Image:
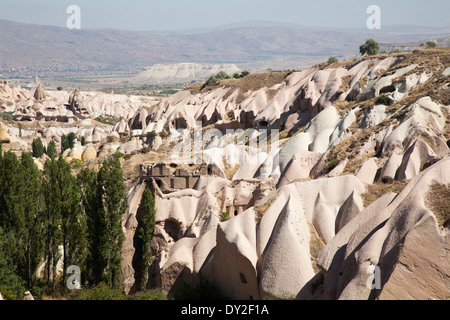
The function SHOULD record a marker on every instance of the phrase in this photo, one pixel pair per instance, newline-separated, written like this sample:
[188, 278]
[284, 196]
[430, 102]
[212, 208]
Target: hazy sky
[187, 14]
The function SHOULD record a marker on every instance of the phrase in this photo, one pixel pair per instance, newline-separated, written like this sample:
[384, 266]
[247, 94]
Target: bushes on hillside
[371, 48]
[218, 77]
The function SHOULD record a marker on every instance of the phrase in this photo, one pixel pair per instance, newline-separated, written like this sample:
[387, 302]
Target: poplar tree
[95, 226]
[38, 148]
[111, 192]
[53, 219]
[51, 150]
[72, 217]
[31, 219]
[146, 232]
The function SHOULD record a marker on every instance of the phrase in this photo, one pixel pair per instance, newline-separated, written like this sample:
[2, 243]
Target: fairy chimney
[39, 94]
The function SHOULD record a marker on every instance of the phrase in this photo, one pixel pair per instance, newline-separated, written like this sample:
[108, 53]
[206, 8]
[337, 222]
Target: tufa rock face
[74, 99]
[39, 94]
[28, 296]
[89, 154]
[4, 136]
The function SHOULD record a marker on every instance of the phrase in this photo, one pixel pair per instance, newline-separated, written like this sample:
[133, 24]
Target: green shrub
[100, 292]
[77, 163]
[371, 48]
[155, 294]
[203, 290]
[240, 75]
[330, 165]
[7, 116]
[118, 155]
[216, 78]
[224, 216]
[108, 120]
[332, 60]
[396, 50]
[384, 100]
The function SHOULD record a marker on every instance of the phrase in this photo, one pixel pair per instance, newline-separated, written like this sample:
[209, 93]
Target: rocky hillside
[329, 183]
[358, 183]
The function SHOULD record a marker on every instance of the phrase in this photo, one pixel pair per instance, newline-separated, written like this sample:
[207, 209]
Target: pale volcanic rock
[286, 266]
[331, 256]
[381, 239]
[317, 88]
[235, 257]
[121, 127]
[4, 135]
[39, 94]
[28, 296]
[414, 159]
[76, 152]
[376, 115]
[389, 170]
[89, 154]
[425, 274]
[368, 171]
[130, 146]
[348, 211]
[315, 138]
[299, 167]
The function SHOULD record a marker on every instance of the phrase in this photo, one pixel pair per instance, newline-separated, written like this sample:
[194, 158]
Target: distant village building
[170, 179]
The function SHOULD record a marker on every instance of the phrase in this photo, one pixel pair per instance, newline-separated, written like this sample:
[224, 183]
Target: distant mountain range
[256, 43]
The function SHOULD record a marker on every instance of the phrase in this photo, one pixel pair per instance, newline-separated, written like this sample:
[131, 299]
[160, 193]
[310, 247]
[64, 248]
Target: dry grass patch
[353, 166]
[377, 190]
[345, 81]
[438, 200]
[363, 82]
[252, 82]
[316, 244]
[347, 149]
[260, 209]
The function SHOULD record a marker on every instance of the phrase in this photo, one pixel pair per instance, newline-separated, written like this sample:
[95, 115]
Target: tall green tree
[370, 47]
[11, 191]
[31, 228]
[64, 143]
[71, 137]
[11, 223]
[111, 192]
[72, 218]
[51, 150]
[146, 232]
[65, 219]
[53, 220]
[38, 148]
[95, 226]
[12, 286]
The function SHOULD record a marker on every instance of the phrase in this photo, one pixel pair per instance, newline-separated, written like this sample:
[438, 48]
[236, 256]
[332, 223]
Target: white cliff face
[181, 73]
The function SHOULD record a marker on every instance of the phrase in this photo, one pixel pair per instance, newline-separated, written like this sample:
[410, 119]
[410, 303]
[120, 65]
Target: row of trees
[44, 212]
[67, 142]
